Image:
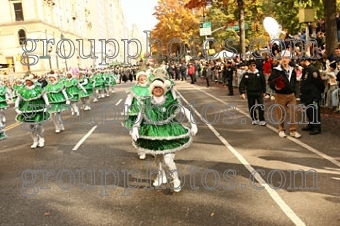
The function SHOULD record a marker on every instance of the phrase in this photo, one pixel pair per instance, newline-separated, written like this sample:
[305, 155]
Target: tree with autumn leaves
[180, 19]
[177, 24]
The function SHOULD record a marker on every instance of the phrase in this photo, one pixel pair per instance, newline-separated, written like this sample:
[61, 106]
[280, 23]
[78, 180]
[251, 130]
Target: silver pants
[166, 165]
[37, 132]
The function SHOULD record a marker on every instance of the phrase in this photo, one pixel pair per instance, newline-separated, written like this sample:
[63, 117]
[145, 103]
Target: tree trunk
[240, 4]
[330, 23]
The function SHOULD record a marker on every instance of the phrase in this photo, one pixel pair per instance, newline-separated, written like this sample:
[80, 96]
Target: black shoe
[307, 128]
[230, 94]
[315, 132]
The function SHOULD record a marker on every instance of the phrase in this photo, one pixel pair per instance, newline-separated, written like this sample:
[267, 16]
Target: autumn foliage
[175, 22]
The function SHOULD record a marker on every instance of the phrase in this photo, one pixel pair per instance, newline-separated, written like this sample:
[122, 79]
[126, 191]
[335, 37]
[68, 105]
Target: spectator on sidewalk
[192, 73]
[208, 73]
[267, 70]
[228, 74]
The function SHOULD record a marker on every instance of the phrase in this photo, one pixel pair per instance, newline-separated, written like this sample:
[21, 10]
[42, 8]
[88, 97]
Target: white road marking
[298, 142]
[119, 102]
[275, 196]
[83, 139]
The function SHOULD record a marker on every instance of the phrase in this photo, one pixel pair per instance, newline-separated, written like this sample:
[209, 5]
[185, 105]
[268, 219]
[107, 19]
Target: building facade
[61, 29]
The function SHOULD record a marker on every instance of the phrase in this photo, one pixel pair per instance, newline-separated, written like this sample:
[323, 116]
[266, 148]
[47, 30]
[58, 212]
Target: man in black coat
[253, 83]
[311, 87]
[228, 74]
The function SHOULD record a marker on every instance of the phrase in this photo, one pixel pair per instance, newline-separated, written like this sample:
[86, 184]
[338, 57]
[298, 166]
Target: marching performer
[73, 89]
[157, 131]
[16, 87]
[85, 96]
[32, 108]
[99, 84]
[57, 97]
[132, 106]
[107, 80]
[4, 97]
[113, 81]
[2, 132]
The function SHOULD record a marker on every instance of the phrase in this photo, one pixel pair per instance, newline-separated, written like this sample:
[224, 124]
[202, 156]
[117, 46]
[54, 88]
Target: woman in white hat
[131, 106]
[18, 84]
[158, 132]
[88, 86]
[58, 99]
[4, 98]
[98, 81]
[32, 108]
[73, 89]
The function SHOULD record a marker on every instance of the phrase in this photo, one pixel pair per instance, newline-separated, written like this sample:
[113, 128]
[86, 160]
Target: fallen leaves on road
[212, 214]
[47, 213]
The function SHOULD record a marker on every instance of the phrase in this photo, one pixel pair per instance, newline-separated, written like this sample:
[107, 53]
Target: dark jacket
[228, 72]
[279, 73]
[254, 83]
[311, 85]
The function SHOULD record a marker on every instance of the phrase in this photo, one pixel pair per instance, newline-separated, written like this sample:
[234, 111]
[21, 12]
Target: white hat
[30, 77]
[286, 53]
[158, 82]
[69, 72]
[53, 75]
[141, 73]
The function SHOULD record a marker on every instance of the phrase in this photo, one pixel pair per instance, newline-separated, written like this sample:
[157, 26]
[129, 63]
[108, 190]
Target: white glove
[135, 133]
[46, 108]
[68, 102]
[18, 111]
[193, 130]
[126, 110]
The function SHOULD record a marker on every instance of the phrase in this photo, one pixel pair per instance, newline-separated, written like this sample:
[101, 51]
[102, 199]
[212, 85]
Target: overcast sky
[140, 12]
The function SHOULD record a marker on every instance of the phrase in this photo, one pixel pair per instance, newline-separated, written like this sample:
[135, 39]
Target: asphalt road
[234, 173]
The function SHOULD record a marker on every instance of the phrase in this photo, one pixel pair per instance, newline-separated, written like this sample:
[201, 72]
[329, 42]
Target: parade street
[234, 173]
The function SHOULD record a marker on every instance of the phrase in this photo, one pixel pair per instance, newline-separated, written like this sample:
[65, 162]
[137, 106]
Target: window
[22, 37]
[19, 14]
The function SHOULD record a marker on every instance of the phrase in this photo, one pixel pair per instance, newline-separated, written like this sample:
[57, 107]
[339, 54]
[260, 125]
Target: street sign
[205, 29]
[237, 28]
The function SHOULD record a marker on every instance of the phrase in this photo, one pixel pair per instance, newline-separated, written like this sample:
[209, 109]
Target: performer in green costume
[4, 97]
[57, 97]
[32, 108]
[73, 89]
[157, 131]
[131, 106]
[84, 80]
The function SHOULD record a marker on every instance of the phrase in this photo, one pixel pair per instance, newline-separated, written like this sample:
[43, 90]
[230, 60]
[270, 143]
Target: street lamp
[56, 57]
[49, 55]
[62, 37]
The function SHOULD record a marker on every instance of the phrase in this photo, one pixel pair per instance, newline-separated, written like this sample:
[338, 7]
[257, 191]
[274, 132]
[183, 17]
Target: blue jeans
[335, 97]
